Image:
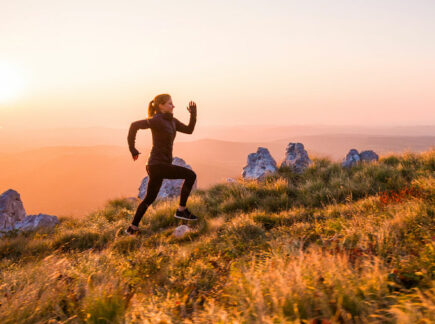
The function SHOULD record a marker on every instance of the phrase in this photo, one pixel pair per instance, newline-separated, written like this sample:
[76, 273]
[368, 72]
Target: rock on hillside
[259, 164]
[296, 157]
[170, 187]
[13, 215]
[353, 157]
[32, 222]
[11, 209]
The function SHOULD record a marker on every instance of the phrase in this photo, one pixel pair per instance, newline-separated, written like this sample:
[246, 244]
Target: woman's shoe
[185, 214]
[132, 231]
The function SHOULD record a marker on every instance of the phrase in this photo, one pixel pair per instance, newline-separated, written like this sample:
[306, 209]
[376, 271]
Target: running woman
[163, 127]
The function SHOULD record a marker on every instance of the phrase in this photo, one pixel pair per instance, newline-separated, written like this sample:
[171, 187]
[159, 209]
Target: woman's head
[162, 103]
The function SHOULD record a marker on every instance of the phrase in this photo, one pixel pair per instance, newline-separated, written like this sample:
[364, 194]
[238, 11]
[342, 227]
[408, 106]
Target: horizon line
[235, 125]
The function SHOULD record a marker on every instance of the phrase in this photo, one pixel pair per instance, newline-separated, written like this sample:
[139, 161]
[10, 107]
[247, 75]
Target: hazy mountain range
[15, 140]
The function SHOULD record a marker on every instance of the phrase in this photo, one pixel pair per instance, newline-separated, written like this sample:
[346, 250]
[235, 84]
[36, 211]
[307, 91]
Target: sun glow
[11, 83]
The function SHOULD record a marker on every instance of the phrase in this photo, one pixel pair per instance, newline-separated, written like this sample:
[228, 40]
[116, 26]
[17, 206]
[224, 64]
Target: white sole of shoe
[188, 219]
[131, 234]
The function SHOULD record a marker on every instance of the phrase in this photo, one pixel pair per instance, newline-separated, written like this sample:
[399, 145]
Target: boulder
[353, 157]
[368, 156]
[296, 157]
[11, 209]
[33, 222]
[170, 187]
[13, 216]
[181, 230]
[259, 164]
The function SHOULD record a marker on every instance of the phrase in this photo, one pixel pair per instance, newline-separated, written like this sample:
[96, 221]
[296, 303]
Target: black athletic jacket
[163, 128]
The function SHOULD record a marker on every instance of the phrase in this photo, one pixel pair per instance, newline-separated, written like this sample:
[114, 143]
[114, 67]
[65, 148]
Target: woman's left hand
[192, 107]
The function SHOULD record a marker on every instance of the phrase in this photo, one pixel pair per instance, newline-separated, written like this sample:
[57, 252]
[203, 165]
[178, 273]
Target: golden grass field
[330, 245]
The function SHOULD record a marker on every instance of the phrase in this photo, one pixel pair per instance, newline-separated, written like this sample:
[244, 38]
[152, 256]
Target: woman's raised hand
[192, 107]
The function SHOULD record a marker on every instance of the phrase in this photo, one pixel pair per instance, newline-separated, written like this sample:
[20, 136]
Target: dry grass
[326, 246]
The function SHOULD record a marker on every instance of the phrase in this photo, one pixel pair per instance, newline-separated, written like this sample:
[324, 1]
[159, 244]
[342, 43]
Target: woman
[163, 127]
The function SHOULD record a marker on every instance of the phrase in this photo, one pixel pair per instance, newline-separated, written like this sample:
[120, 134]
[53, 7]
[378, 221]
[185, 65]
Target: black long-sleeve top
[164, 127]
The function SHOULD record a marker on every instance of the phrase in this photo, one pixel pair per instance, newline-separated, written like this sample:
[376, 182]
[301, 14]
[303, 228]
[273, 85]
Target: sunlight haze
[99, 63]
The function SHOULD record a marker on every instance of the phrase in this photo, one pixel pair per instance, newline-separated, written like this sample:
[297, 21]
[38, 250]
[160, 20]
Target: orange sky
[99, 63]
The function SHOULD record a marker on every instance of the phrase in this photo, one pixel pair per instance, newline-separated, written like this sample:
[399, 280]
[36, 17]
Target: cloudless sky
[98, 63]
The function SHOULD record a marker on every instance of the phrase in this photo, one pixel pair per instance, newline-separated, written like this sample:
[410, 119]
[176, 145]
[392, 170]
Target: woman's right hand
[134, 153]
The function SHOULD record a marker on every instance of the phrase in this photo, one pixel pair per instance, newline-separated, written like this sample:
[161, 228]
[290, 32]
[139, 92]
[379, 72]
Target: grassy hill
[328, 246]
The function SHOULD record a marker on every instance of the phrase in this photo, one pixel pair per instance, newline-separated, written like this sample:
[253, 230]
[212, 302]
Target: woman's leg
[154, 184]
[178, 172]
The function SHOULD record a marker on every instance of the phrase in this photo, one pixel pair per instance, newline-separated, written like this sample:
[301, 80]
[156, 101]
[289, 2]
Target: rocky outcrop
[13, 216]
[33, 222]
[259, 165]
[368, 156]
[170, 187]
[296, 157]
[353, 157]
[11, 209]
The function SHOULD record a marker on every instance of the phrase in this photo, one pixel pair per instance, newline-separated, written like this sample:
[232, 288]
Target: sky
[91, 63]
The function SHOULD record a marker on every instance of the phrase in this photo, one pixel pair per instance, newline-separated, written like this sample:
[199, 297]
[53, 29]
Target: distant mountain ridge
[15, 140]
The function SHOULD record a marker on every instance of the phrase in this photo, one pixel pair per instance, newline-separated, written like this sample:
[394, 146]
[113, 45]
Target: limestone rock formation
[353, 157]
[11, 209]
[33, 222]
[259, 164]
[368, 156]
[170, 187]
[13, 216]
[296, 157]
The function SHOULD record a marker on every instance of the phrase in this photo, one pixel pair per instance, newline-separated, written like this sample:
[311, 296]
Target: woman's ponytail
[154, 104]
[151, 109]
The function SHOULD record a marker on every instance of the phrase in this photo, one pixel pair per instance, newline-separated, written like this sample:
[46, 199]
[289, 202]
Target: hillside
[328, 246]
[76, 180]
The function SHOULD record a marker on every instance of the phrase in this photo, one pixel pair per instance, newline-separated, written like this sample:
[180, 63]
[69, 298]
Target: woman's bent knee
[192, 176]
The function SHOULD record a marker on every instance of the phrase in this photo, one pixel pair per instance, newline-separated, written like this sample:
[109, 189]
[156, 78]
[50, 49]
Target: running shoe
[131, 231]
[185, 214]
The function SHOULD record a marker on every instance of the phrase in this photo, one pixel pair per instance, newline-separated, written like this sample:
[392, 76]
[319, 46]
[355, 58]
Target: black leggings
[158, 172]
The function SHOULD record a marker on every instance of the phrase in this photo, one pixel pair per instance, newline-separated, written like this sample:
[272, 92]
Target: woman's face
[167, 107]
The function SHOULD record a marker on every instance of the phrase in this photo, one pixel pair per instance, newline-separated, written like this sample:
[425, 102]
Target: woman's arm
[188, 129]
[134, 127]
